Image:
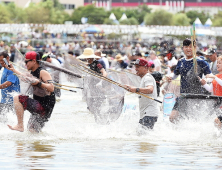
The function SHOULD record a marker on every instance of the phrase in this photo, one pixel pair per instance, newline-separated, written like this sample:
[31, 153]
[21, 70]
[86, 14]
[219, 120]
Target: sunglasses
[27, 61]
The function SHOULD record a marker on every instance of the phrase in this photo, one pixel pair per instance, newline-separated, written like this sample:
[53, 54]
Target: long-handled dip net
[104, 99]
[104, 95]
[27, 89]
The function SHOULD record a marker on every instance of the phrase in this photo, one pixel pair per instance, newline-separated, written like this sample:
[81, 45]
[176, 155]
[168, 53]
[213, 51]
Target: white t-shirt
[55, 73]
[148, 107]
[65, 47]
[106, 62]
[76, 47]
[213, 67]
[170, 63]
[55, 62]
[157, 63]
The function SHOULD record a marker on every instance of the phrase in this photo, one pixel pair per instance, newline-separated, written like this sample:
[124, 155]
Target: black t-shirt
[158, 77]
[96, 66]
[47, 102]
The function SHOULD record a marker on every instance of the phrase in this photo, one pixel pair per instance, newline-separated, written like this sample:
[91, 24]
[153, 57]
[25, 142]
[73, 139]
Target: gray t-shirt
[148, 107]
[213, 67]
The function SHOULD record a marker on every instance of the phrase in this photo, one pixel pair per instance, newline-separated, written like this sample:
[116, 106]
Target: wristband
[137, 89]
[39, 84]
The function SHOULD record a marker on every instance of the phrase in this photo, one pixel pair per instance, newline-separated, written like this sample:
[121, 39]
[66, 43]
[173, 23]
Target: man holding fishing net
[42, 104]
[92, 61]
[148, 108]
[190, 78]
[9, 84]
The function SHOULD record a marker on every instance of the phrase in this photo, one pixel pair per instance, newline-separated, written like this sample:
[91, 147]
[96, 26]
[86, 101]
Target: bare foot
[18, 128]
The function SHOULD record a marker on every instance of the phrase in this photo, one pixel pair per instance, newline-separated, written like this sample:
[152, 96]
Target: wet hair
[152, 66]
[38, 57]
[186, 42]
[139, 54]
[40, 53]
[4, 54]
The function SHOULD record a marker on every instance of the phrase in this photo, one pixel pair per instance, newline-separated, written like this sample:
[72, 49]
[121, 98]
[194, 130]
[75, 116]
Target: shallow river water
[72, 140]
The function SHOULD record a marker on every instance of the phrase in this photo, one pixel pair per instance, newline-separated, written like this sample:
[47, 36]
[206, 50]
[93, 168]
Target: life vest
[217, 88]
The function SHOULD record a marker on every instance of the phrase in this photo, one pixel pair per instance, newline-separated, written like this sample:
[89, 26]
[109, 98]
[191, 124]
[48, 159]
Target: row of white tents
[108, 29]
[197, 22]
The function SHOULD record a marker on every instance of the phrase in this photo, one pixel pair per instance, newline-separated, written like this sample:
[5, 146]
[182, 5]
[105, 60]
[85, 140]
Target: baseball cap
[151, 64]
[45, 56]
[141, 62]
[201, 53]
[31, 55]
[211, 51]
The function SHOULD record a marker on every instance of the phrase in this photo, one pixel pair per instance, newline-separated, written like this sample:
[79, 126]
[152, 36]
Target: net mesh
[68, 64]
[204, 106]
[19, 64]
[104, 99]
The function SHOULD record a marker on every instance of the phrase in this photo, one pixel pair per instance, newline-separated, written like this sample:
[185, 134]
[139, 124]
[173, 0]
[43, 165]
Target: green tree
[139, 13]
[95, 15]
[4, 15]
[56, 4]
[195, 14]
[57, 15]
[181, 19]
[217, 21]
[129, 21]
[37, 14]
[109, 22]
[17, 15]
[133, 21]
[159, 17]
[124, 22]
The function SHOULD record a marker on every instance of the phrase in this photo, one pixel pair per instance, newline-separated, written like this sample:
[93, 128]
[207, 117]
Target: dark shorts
[38, 118]
[148, 121]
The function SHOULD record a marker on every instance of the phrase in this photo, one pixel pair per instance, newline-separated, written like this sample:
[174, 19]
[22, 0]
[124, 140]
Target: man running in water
[190, 81]
[148, 108]
[42, 104]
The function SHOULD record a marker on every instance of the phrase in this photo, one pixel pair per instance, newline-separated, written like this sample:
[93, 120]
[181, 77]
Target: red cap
[169, 56]
[31, 55]
[141, 62]
[150, 63]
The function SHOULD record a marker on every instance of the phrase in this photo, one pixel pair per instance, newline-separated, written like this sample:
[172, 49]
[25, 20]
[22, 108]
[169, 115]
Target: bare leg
[174, 116]
[217, 123]
[19, 113]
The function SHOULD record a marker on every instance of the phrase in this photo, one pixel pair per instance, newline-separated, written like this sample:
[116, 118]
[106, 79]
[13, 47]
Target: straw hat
[119, 58]
[88, 53]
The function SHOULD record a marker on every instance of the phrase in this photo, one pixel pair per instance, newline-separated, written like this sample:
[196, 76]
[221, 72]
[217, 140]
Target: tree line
[52, 12]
